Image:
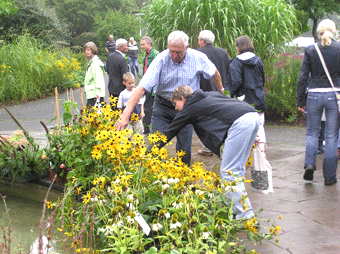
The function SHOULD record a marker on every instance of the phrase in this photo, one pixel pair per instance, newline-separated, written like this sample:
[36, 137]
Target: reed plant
[268, 23]
[29, 70]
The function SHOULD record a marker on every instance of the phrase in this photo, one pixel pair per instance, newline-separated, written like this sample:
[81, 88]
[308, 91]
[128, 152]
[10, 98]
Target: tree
[80, 14]
[34, 17]
[316, 9]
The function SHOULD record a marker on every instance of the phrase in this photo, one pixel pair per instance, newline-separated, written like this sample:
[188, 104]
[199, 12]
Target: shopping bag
[98, 105]
[261, 173]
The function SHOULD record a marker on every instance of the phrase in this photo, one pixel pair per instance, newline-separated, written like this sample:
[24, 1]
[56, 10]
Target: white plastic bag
[261, 173]
[98, 105]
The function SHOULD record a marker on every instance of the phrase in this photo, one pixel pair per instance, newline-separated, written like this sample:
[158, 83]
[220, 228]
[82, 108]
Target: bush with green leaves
[31, 71]
[268, 23]
[34, 17]
[282, 76]
[118, 24]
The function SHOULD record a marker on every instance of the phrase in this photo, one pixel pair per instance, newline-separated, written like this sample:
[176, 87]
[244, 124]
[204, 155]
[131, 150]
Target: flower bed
[138, 202]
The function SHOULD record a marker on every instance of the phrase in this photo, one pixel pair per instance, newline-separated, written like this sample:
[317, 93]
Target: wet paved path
[310, 211]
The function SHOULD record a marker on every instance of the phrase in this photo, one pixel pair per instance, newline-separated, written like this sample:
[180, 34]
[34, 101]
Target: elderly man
[110, 45]
[132, 55]
[150, 54]
[178, 65]
[117, 67]
[220, 58]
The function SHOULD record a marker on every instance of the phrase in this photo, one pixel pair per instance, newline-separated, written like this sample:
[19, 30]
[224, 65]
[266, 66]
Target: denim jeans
[316, 102]
[133, 62]
[162, 115]
[237, 147]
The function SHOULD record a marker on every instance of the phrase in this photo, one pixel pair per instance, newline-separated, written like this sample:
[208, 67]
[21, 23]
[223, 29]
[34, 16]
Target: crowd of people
[182, 90]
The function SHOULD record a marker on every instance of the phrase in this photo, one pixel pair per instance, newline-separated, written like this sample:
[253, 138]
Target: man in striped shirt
[176, 66]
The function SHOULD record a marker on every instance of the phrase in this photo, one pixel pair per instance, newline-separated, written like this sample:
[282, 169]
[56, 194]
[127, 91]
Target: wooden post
[81, 98]
[57, 108]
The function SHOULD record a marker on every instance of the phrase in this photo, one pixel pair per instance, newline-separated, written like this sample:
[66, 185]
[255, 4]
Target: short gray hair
[207, 36]
[120, 42]
[178, 37]
[147, 39]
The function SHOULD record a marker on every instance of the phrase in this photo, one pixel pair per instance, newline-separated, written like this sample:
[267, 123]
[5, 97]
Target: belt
[164, 102]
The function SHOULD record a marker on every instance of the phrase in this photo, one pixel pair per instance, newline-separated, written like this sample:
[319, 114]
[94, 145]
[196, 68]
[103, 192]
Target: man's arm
[123, 121]
[216, 79]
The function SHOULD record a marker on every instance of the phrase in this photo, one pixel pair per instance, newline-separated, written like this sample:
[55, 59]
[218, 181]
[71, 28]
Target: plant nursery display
[119, 198]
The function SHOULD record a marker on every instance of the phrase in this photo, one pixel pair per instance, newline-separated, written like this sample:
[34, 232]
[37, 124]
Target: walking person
[116, 68]
[94, 78]
[321, 96]
[178, 65]
[150, 54]
[132, 55]
[238, 123]
[246, 78]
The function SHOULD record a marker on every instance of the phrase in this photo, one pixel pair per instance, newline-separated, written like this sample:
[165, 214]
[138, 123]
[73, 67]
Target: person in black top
[219, 120]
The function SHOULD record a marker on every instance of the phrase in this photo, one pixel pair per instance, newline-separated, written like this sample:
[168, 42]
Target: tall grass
[29, 71]
[269, 23]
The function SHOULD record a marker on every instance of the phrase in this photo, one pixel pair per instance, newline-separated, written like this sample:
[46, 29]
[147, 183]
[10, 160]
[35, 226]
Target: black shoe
[309, 173]
[321, 148]
[331, 182]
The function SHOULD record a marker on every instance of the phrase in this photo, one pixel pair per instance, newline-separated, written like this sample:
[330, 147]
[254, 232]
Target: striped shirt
[164, 75]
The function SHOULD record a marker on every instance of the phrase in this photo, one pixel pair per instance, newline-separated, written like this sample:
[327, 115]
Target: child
[129, 82]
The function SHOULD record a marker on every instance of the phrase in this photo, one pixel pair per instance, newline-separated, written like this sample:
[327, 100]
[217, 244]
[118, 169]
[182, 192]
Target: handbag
[337, 93]
[261, 174]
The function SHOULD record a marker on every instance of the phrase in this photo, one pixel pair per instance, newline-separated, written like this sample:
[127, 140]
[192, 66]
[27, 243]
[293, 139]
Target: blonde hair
[128, 76]
[326, 29]
[181, 91]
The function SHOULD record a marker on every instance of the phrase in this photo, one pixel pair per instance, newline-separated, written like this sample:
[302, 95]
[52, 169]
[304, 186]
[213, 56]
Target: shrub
[281, 82]
[31, 71]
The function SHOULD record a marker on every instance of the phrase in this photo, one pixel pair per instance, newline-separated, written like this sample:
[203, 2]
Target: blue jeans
[162, 115]
[237, 147]
[316, 102]
[133, 62]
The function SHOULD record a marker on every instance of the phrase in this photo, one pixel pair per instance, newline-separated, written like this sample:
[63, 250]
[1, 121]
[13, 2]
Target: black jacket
[116, 67]
[211, 114]
[312, 66]
[246, 77]
[219, 57]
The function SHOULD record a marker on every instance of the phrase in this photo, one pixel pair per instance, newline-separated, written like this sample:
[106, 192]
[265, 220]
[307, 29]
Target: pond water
[25, 203]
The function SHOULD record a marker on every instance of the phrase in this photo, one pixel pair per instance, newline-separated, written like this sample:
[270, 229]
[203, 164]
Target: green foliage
[117, 24]
[7, 8]
[80, 14]
[35, 18]
[19, 158]
[31, 71]
[282, 75]
[268, 23]
[315, 10]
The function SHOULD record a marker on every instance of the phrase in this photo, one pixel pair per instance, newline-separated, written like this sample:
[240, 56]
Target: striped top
[164, 75]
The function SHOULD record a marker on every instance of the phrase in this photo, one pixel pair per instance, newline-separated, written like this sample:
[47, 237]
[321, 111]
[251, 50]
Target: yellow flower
[78, 189]
[49, 205]
[87, 198]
